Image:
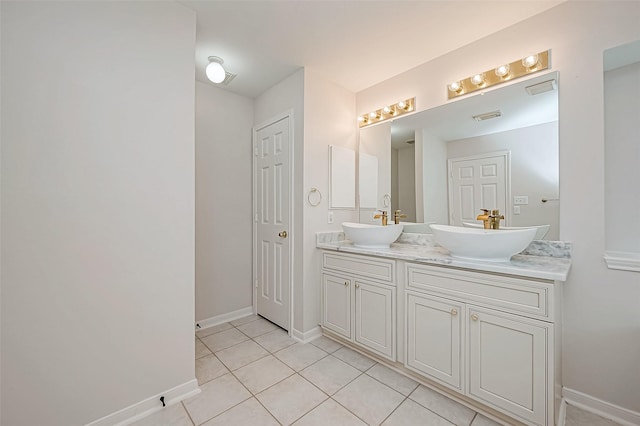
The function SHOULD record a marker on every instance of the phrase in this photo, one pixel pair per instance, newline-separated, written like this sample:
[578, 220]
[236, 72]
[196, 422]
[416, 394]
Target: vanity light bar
[387, 112]
[506, 72]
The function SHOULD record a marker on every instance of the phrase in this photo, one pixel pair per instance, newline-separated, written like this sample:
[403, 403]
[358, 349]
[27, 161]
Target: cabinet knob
[474, 317]
[346, 283]
[454, 312]
[357, 285]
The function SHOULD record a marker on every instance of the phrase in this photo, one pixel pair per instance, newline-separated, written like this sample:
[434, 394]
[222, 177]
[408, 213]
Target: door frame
[254, 209]
[507, 179]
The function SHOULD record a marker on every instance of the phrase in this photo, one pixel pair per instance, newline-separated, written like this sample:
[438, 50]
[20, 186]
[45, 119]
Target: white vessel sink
[371, 236]
[541, 230]
[487, 245]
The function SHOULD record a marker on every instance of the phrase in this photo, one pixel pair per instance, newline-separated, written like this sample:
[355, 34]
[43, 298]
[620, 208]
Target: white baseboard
[601, 408]
[562, 414]
[307, 336]
[219, 319]
[148, 406]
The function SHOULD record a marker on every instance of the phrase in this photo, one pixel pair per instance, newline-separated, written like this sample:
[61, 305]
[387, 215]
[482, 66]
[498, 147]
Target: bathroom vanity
[486, 333]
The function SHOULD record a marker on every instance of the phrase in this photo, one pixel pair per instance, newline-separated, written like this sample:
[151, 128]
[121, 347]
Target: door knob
[283, 234]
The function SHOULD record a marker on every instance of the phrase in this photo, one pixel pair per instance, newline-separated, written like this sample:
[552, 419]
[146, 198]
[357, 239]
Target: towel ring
[311, 192]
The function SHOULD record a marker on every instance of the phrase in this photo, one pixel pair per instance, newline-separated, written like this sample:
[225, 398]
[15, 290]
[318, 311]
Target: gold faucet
[490, 221]
[496, 216]
[383, 216]
[397, 215]
[485, 218]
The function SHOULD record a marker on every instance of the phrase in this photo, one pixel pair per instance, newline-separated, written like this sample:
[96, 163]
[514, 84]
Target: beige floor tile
[215, 397]
[394, 380]
[300, 355]
[250, 412]
[577, 417]
[257, 327]
[224, 339]
[329, 413]
[209, 368]
[241, 354]
[275, 340]
[481, 420]
[412, 413]
[330, 374]
[172, 415]
[204, 332]
[245, 320]
[201, 349]
[263, 373]
[291, 399]
[451, 410]
[326, 344]
[369, 399]
[354, 359]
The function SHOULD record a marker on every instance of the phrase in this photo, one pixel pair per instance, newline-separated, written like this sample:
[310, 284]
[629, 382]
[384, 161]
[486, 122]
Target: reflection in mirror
[622, 151]
[497, 150]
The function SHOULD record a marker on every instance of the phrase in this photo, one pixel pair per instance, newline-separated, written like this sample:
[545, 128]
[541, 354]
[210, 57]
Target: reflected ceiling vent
[487, 115]
[545, 86]
[411, 142]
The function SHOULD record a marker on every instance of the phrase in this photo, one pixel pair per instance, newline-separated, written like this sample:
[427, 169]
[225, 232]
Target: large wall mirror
[494, 150]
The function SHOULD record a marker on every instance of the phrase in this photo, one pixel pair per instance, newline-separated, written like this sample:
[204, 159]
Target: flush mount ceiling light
[506, 72]
[388, 112]
[215, 71]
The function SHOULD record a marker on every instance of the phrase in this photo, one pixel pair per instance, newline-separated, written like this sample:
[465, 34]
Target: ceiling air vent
[228, 77]
[545, 86]
[487, 115]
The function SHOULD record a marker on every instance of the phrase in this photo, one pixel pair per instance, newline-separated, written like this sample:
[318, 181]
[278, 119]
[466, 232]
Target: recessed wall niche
[622, 156]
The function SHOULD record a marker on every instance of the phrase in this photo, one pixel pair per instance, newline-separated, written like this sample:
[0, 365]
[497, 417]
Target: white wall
[622, 154]
[601, 316]
[97, 207]
[534, 170]
[329, 120]
[223, 201]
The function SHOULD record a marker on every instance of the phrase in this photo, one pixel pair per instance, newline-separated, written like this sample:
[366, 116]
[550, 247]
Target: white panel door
[508, 362]
[273, 242]
[434, 337]
[374, 317]
[336, 304]
[479, 182]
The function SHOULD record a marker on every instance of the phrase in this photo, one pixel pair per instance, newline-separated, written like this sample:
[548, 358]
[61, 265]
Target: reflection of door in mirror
[403, 182]
[478, 182]
[375, 141]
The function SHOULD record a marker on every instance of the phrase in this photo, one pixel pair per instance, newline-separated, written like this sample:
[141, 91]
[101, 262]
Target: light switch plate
[330, 217]
[516, 209]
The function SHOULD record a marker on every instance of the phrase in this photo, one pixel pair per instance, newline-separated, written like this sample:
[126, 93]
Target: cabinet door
[375, 317]
[434, 337]
[336, 304]
[508, 362]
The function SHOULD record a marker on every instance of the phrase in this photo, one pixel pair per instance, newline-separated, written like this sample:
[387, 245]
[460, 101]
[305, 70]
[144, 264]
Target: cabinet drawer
[379, 269]
[510, 294]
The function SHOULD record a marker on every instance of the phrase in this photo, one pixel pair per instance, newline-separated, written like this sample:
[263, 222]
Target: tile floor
[251, 373]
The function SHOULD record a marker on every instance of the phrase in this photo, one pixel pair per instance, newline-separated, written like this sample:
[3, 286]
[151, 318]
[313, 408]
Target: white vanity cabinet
[490, 337]
[359, 301]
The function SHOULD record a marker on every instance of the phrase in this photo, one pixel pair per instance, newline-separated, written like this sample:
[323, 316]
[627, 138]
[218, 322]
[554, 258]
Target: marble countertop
[544, 260]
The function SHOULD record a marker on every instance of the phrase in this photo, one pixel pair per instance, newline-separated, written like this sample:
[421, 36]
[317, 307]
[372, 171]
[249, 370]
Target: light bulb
[455, 87]
[502, 70]
[373, 115]
[477, 79]
[387, 110]
[402, 105]
[215, 72]
[530, 61]
[361, 119]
